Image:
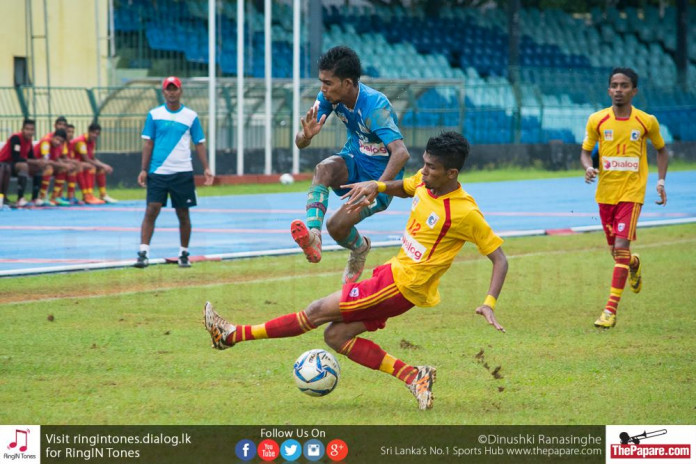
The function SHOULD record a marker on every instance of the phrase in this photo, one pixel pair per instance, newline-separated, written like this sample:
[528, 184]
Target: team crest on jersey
[609, 135]
[354, 293]
[342, 117]
[621, 227]
[414, 203]
[432, 220]
[635, 135]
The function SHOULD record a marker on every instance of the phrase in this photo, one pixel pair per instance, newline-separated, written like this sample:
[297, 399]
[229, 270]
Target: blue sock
[353, 241]
[317, 202]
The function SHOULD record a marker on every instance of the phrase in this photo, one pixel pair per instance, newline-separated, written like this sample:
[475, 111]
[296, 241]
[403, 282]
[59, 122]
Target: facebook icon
[245, 450]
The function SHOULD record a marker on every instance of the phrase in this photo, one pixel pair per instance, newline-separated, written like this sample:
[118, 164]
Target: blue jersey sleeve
[325, 108]
[381, 122]
[149, 129]
[197, 135]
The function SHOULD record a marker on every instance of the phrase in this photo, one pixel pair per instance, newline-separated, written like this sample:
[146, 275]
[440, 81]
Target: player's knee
[323, 172]
[335, 337]
[339, 225]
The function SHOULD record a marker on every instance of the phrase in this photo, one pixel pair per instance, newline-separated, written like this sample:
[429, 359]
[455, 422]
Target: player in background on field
[374, 151]
[51, 148]
[83, 149]
[622, 132]
[167, 169]
[18, 152]
[443, 217]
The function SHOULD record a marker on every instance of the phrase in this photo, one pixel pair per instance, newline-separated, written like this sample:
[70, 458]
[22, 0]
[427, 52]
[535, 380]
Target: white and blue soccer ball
[316, 372]
[287, 179]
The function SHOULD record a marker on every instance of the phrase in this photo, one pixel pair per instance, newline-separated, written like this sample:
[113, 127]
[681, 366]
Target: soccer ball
[286, 179]
[316, 372]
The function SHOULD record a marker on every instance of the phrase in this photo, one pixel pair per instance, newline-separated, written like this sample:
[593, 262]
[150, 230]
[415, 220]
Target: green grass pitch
[128, 346]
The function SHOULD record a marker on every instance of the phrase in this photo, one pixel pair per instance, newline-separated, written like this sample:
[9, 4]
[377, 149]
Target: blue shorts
[356, 173]
[179, 186]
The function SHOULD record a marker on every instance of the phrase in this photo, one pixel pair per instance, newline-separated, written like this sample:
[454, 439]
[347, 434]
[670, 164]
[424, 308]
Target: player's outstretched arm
[310, 127]
[500, 267]
[362, 194]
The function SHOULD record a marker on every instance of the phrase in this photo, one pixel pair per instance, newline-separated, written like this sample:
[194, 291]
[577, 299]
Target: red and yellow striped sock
[289, 325]
[72, 178]
[45, 182]
[58, 185]
[101, 183]
[622, 258]
[369, 354]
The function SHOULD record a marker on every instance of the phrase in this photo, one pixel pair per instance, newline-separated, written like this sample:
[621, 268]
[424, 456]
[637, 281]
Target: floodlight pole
[269, 82]
[296, 38]
[240, 87]
[212, 94]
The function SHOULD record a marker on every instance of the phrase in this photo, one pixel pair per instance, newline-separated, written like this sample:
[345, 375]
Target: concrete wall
[554, 156]
[77, 43]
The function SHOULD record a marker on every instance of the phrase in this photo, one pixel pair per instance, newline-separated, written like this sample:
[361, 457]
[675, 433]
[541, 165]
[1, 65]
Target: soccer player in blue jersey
[374, 151]
[167, 169]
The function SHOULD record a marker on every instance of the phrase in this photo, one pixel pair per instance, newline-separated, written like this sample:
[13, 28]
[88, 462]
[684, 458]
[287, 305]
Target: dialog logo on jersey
[621, 163]
[608, 135]
[650, 443]
[412, 248]
[373, 149]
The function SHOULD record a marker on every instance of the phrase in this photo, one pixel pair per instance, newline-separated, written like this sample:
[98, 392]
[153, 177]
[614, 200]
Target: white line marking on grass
[475, 259]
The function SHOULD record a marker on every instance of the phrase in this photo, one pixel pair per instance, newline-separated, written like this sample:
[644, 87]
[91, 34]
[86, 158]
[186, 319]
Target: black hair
[343, 62]
[94, 127]
[28, 121]
[451, 148]
[61, 119]
[628, 72]
[70, 126]
[60, 133]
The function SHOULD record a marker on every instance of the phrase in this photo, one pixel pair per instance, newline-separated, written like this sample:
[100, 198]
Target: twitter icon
[291, 450]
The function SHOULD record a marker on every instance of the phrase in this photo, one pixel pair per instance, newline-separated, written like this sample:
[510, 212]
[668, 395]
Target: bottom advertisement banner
[306, 444]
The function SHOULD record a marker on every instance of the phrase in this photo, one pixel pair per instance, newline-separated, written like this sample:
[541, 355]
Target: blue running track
[61, 239]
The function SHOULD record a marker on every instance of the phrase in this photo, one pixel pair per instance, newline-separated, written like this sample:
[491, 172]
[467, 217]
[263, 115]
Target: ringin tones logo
[20, 443]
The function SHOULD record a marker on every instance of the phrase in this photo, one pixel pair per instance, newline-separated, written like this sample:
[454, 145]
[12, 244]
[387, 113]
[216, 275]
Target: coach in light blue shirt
[167, 170]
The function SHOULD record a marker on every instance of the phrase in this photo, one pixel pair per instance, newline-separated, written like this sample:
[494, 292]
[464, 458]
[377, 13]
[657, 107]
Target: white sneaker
[422, 386]
[218, 328]
[356, 263]
[108, 199]
[40, 202]
[22, 202]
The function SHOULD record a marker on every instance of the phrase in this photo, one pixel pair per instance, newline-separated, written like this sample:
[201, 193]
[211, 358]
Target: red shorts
[619, 220]
[374, 300]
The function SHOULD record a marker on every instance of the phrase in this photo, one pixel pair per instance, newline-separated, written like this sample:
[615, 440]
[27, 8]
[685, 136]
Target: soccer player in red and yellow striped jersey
[623, 132]
[443, 217]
